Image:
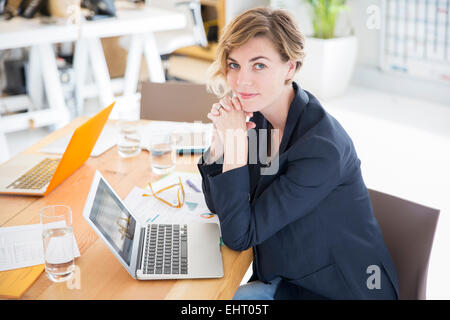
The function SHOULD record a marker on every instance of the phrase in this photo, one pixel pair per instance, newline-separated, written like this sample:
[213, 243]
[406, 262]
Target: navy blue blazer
[311, 223]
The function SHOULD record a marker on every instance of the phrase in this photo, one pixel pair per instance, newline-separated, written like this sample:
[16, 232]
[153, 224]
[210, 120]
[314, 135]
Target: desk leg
[80, 61]
[52, 84]
[153, 59]
[35, 86]
[100, 69]
[133, 64]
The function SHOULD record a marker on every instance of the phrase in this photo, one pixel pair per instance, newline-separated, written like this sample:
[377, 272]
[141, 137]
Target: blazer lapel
[261, 123]
[299, 103]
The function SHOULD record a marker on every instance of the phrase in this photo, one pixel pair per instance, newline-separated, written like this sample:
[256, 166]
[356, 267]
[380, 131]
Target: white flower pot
[328, 66]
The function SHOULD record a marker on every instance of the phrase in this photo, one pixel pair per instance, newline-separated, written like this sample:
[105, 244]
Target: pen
[190, 184]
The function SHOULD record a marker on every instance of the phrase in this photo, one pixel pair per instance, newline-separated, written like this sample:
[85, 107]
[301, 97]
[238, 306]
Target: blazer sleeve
[313, 171]
[212, 169]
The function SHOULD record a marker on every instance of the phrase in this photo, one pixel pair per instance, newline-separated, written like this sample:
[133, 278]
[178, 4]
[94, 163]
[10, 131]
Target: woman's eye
[233, 65]
[259, 66]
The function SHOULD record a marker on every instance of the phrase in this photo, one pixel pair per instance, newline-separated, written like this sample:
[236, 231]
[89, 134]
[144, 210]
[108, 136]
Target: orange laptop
[38, 174]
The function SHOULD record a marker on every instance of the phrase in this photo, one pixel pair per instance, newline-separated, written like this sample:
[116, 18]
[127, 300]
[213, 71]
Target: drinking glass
[129, 143]
[162, 153]
[57, 236]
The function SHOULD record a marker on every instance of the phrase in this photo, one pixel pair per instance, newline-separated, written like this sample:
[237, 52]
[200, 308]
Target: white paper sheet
[149, 209]
[21, 246]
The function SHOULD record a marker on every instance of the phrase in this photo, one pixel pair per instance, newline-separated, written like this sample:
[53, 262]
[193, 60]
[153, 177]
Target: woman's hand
[230, 119]
[230, 116]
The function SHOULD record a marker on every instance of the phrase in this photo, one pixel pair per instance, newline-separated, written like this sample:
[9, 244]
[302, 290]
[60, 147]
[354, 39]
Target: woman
[309, 219]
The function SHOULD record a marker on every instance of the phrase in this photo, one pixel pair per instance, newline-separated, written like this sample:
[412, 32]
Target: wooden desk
[101, 274]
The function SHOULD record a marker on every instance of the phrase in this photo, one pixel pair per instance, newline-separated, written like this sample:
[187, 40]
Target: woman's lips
[247, 96]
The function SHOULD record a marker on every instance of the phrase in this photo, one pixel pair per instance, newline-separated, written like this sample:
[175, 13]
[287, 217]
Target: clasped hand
[230, 117]
[231, 120]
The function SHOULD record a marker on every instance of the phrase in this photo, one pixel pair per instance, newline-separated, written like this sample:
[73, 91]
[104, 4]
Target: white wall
[235, 7]
[359, 21]
[369, 51]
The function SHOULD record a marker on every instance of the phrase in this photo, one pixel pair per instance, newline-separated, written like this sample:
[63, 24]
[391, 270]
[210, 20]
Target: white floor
[404, 147]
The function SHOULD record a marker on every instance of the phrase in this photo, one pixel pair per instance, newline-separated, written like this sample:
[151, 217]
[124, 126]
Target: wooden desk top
[101, 276]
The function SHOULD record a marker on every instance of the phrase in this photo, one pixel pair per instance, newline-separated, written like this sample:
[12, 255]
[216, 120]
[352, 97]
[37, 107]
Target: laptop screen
[113, 220]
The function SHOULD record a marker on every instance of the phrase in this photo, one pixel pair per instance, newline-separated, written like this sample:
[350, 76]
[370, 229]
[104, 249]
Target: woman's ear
[291, 71]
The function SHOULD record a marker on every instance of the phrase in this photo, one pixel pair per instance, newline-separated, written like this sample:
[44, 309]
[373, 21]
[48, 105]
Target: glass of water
[57, 236]
[162, 153]
[129, 143]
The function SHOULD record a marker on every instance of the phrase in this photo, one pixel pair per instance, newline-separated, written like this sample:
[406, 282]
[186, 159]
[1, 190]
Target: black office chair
[408, 230]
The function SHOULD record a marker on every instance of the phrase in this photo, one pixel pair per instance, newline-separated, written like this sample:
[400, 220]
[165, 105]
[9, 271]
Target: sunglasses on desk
[180, 194]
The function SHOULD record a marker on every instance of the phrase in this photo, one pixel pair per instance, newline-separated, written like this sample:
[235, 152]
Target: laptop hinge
[141, 246]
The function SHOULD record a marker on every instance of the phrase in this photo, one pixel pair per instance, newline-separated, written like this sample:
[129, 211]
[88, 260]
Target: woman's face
[256, 73]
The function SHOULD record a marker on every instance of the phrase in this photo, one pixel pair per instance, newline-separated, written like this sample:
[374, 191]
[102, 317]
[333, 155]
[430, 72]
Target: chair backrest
[176, 101]
[194, 32]
[408, 230]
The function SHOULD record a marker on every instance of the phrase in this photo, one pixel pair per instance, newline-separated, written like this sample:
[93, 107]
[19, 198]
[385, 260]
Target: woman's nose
[244, 78]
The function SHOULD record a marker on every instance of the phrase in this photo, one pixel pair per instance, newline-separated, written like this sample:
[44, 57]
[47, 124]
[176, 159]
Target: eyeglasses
[180, 194]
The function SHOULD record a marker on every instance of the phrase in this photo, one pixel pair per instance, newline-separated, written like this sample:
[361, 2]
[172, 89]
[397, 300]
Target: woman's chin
[249, 107]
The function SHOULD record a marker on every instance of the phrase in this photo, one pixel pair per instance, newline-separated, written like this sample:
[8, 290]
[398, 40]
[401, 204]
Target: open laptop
[106, 140]
[152, 251]
[39, 174]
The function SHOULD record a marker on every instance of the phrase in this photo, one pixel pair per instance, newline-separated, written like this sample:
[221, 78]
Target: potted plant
[329, 60]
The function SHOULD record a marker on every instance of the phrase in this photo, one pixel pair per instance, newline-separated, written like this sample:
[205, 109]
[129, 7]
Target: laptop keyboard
[37, 177]
[166, 249]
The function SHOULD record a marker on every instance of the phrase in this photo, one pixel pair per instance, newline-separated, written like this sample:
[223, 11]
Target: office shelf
[217, 7]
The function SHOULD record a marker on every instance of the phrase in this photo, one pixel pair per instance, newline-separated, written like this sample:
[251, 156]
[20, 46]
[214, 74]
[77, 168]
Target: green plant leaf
[325, 16]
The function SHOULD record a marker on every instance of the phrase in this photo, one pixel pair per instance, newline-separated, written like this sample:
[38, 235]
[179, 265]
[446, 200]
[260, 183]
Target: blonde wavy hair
[276, 24]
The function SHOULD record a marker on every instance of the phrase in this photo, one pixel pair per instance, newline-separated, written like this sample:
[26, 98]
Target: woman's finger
[236, 103]
[214, 110]
[212, 117]
[226, 103]
[250, 125]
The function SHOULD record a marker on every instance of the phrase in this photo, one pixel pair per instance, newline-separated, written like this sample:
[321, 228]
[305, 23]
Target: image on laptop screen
[114, 221]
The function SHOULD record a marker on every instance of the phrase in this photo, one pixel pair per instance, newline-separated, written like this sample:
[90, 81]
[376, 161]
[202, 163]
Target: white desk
[43, 73]
[140, 24]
